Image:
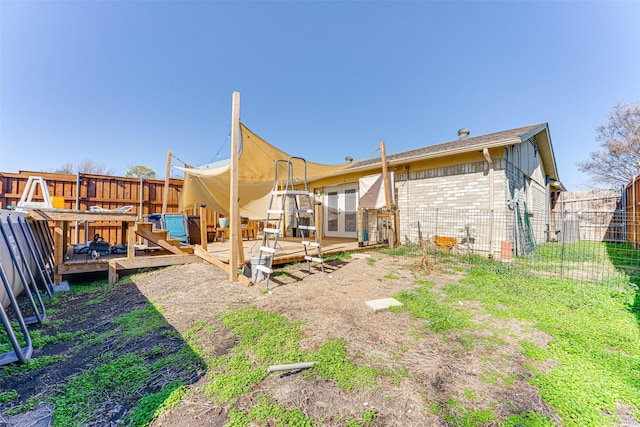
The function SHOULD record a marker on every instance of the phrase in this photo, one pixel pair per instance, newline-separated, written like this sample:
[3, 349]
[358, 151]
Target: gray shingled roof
[457, 146]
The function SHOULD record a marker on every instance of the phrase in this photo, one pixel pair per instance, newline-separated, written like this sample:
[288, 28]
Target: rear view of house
[489, 194]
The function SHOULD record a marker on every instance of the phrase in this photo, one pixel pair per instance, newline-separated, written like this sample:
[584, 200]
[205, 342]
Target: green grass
[333, 363]
[140, 322]
[32, 364]
[152, 405]
[595, 349]
[268, 411]
[438, 316]
[265, 339]
[342, 256]
[281, 273]
[125, 379]
[83, 395]
[99, 285]
[569, 252]
[8, 395]
[392, 275]
[131, 378]
[595, 342]
[459, 415]
[613, 264]
[410, 250]
[528, 419]
[37, 339]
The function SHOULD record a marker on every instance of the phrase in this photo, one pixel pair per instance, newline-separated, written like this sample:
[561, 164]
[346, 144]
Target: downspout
[487, 157]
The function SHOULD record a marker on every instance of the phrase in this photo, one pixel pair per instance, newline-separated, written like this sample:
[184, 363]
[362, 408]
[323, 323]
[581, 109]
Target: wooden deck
[66, 263]
[288, 250]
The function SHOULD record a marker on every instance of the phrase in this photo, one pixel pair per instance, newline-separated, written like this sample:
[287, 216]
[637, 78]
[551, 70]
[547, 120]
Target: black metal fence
[583, 246]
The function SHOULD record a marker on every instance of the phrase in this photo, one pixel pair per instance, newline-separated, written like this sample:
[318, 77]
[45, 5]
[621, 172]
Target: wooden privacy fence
[83, 191]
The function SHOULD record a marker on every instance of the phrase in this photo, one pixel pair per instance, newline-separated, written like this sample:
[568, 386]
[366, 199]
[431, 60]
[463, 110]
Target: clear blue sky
[122, 82]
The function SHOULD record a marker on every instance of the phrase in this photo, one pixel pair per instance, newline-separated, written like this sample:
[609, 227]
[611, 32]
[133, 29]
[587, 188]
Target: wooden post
[319, 221]
[113, 276]
[203, 227]
[234, 209]
[131, 236]
[165, 197]
[387, 196]
[141, 202]
[240, 246]
[385, 176]
[60, 241]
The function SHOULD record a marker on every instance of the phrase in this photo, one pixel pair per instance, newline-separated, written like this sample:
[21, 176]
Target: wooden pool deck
[289, 250]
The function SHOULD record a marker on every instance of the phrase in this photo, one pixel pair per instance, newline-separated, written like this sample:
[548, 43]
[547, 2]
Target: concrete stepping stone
[382, 304]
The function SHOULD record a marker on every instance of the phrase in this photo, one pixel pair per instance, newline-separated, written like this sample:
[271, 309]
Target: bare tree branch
[86, 166]
[618, 160]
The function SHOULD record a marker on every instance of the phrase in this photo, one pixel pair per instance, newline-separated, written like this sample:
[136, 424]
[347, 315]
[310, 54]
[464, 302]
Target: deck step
[161, 238]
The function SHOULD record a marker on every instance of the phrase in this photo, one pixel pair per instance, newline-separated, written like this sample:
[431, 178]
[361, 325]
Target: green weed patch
[439, 317]
[333, 363]
[264, 339]
[152, 405]
[137, 323]
[596, 340]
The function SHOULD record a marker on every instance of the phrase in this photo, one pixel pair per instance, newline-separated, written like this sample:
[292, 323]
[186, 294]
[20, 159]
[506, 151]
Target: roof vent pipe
[348, 159]
[463, 133]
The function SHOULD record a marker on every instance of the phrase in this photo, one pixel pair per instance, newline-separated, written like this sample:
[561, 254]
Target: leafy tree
[140, 172]
[618, 160]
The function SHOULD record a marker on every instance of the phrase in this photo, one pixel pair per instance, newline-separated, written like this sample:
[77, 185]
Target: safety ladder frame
[270, 236]
[15, 232]
[26, 201]
[21, 265]
[18, 354]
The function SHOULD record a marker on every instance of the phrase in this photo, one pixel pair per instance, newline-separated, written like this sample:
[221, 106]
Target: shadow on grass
[626, 260]
[283, 277]
[105, 355]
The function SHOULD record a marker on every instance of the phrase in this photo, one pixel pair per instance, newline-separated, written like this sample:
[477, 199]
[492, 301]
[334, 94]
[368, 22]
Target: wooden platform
[288, 250]
[81, 263]
[63, 217]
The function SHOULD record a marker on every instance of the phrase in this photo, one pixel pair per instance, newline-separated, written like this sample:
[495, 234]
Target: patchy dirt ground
[480, 368]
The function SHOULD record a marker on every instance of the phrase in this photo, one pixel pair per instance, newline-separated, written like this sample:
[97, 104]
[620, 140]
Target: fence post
[564, 242]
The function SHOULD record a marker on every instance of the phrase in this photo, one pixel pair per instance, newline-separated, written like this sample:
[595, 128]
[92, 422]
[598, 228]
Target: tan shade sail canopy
[255, 178]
